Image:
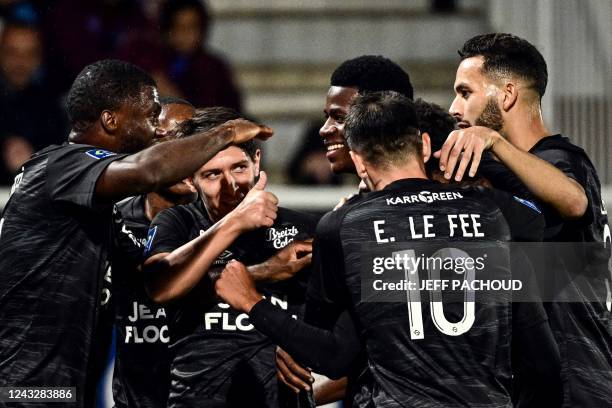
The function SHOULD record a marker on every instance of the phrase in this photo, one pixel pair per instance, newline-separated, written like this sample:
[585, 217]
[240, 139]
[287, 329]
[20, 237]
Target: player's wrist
[494, 140]
[250, 301]
[232, 224]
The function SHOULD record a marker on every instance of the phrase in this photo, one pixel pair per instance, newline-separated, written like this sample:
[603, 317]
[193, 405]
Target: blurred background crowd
[271, 60]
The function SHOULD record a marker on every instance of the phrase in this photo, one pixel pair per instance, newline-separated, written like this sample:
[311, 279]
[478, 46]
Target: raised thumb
[263, 180]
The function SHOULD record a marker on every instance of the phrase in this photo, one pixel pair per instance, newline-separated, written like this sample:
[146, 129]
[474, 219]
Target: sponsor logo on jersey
[99, 153]
[226, 319]
[147, 325]
[223, 258]
[528, 203]
[424, 197]
[281, 237]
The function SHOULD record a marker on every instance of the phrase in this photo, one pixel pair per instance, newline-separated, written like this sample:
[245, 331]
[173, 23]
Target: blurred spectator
[30, 117]
[80, 32]
[309, 164]
[180, 61]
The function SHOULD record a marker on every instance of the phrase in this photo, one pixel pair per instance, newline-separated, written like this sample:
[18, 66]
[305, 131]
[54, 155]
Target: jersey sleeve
[326, 296]
[168, 231]
[563, 160]
[524, 217]
[126, 247]
[328, 352]
[571, 163]
[74, 171]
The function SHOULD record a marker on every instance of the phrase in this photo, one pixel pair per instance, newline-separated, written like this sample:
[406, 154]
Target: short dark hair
[507, 53]
[174, 100]
[437, 123]
[434, 120]
[207, 118]
[383, 128]
[171, 7]
[106, 84]
[373, 73]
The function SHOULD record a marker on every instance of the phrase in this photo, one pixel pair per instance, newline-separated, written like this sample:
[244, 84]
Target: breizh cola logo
[281, 237]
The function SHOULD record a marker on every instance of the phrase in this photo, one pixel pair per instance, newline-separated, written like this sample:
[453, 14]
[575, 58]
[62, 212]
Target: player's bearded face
[475, 101]
[137, 122]
[337, 105]
[225, 180]
[491, 116]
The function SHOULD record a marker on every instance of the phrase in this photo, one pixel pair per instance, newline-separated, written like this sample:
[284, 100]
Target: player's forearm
[175, 160]
[260, 272]
[269, 271]
[544, 180]
[177, 273]
[162, 165]
[329, 352]
[327, 391]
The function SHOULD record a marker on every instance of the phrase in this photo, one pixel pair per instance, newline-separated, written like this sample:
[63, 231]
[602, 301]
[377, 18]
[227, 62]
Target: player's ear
[426, 146]
[510, 96]
[108, 120]
[256, 160]
[189, 183]
[359, 164]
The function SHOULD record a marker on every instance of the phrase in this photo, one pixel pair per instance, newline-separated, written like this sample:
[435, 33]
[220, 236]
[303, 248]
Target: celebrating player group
[469, 269]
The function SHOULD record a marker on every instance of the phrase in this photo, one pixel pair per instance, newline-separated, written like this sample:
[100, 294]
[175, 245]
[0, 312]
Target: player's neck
[526, 129]
[91, 136]
[382, 178]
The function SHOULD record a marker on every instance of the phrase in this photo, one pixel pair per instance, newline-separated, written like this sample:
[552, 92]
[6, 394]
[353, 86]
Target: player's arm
[165, 164]
[329, 352]
[170, 275]
[284, 264]
[545, 181]
[327, 391]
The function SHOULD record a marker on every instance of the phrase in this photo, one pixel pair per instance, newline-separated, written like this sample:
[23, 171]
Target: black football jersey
[54, 240]
[219, 359]
[578, 270]
[423, 350]
[141, 377]
[583, 329]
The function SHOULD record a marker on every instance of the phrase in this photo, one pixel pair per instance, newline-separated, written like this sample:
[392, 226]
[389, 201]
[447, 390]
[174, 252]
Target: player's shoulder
[187, 214]
[132, 210]
[557, 147]
[300, 217]
[86, 150]
[127, 205]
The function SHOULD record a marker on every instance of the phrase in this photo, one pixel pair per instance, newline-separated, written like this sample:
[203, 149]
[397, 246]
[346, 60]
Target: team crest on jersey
[99, 153]
[150, 237]
[528, 204]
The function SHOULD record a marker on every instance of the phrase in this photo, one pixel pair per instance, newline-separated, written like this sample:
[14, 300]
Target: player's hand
[463, 146]
[289, 372]
[235, 286]
[258, 208]
[286, 262]
[343, 201]
[245, 130]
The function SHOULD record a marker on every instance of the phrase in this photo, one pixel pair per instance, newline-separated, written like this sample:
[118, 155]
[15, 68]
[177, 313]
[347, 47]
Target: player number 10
[413, 298]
